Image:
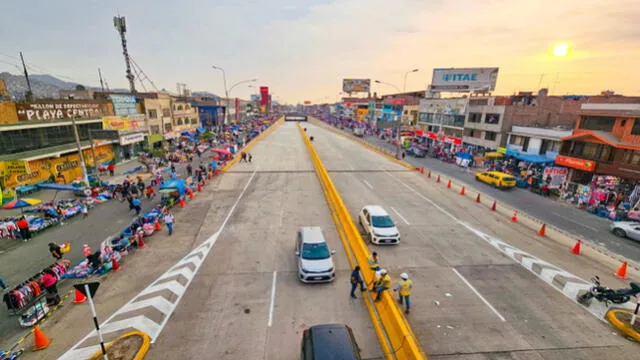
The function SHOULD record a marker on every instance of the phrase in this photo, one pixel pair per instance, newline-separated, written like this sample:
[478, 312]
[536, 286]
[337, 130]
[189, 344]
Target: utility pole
[121, 26]
[101, 83]
[83, 165]
[29, 94]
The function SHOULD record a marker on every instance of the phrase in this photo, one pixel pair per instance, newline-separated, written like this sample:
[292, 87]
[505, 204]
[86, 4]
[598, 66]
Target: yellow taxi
[497, 179]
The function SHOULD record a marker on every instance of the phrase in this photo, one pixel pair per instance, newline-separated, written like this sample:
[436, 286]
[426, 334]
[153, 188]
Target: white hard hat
[404, 276]
[383, 272]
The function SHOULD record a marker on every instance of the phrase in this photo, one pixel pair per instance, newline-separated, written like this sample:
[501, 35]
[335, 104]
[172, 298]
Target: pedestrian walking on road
[168, 219]
[112, 169]
[84, 209]
[356, 281]
[243, 157]
[383, 284]
[136, 205]
[23, 227]
[404, 291]
[55, 250]
[250, 157]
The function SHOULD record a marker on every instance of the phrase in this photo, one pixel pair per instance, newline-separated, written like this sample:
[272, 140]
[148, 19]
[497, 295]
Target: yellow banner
[122, 123]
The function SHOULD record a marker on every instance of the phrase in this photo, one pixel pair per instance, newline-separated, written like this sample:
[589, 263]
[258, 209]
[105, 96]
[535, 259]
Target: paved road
[556, 213]
[470, 301]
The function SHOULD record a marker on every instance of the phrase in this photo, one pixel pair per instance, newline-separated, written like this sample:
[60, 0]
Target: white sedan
[629, 229]
[378, 225]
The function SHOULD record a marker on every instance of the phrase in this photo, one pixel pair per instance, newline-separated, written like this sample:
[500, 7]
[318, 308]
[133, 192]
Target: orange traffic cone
[622, 271]
[438, 179]
[449, 185]
[576, 248]
[190, 192]
[210, 175]
[421, 170]
[40, 340]
[80, 298]
[514, 217]
[114, 264]
[140, 241]
[493, 207]
[542, 230]
[157, 226]
[199, 187]
[478, 198]
[429, 175]
[181, 203]
[462, 191]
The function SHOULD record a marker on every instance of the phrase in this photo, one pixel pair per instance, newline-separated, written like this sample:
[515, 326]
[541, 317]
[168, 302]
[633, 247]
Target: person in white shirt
[168, 220]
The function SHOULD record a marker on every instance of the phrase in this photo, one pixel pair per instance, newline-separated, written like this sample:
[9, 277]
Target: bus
[295, 117]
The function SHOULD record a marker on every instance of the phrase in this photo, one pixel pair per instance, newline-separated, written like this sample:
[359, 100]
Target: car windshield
[315, 251]
[508, 178]
[382, 221]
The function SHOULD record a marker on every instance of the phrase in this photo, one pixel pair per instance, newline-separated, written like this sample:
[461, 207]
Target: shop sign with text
[131, 138]
[123, 123]
[576, 163]
[49, 111]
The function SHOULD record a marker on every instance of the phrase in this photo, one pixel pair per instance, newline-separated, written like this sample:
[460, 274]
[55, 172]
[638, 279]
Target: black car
[329, 342]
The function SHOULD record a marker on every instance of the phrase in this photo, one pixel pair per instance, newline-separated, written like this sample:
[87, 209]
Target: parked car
[417, 152]
[498, 179]
[329, 342]
[359, 132]
[628, 229]
[315, 261]
[378, 225]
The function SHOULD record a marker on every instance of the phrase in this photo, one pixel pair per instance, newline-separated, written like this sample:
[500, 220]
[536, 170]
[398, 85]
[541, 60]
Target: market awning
[222, 151]
[201, 129]
[534, 159]
[493, 154]
[54, 186]
[464, 155]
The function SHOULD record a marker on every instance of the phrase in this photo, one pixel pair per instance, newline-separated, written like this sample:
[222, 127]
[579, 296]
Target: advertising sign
[264, 95]
[452, 140]
[255, 97]
[398, 101]
[576, 163]
[444, 106]
[124, 105]
[210, 116]
[356, 85]
[557, 175]
[131, 138]
[122, 123]
[61, 110]
[464, 79]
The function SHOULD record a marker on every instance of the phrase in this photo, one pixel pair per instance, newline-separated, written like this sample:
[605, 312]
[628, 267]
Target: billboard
[264, 95]
[124, 105]
[464, 79]
[123, 123]
[356, 85]
[61, 110]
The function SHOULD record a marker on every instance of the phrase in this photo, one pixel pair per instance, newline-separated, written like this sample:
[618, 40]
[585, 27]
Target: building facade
[536, 141]
[184, 114]
[443, 117]
[485, 123]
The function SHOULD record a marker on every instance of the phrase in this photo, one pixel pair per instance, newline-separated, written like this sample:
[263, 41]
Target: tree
[80, 88]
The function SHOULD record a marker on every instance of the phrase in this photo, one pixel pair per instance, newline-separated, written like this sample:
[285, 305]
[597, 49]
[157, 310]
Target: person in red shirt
[112, 168]
[23, 226]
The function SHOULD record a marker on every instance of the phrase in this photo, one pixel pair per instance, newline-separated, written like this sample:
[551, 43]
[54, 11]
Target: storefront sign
[122, 123]
[576, 163]
[124, 105]
[431, 135]
[464, 79]
[452, 140]
[131, 138]
[59, 110]
[557, 175]
[15, 167]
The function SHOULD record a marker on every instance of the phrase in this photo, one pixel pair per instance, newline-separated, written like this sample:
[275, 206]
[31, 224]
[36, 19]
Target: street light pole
[404, 85]
[239, 83]
[226, 91]
[397, 127]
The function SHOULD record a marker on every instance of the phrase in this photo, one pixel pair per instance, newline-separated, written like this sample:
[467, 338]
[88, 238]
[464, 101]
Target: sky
[302, 49]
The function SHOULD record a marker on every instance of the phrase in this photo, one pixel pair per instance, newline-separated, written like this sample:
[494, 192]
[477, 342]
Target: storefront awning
[601, 137]
[534, 159]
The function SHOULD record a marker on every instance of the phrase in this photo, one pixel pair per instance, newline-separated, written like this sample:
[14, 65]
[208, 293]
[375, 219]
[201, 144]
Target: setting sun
[561, 50]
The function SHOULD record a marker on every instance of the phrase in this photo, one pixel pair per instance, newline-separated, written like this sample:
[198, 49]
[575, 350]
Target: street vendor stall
[172, 191]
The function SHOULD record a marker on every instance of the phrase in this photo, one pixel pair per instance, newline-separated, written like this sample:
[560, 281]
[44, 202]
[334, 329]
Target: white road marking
[272, 302]
[575, 222]
[479, 295]
[401, 217]
[367, 183]
[143, 323]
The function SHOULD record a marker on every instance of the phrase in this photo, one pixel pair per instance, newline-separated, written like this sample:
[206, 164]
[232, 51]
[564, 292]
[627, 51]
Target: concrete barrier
[395, 335]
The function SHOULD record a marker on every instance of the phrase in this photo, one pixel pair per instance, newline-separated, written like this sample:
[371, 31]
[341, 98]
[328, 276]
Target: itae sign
[464, 79]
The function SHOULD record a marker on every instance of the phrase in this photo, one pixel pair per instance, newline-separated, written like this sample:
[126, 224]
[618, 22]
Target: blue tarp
[200, 129]
[464, 155]
[186, 133]
[534, 159]
[52, 186]
[179, 185]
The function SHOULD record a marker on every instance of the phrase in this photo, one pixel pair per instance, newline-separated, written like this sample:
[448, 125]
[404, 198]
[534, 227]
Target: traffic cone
[181, 203]
[493, 207]
[514, 217]
[80, 298]
[449, 185]
[462, 191]
[622, 271]
[157, 226]
[114, 264]
[478, 198]
[421, 170]
[191, 196]
[438, 179]
[576, 248]
[199, 187]
[542, 230]
[40, 340]
[140, 242]
[210, 175]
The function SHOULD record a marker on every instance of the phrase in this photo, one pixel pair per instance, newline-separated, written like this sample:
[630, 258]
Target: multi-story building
[185, 115]
[536, 140]
[157, 108]
[605, 140]
[443, 117]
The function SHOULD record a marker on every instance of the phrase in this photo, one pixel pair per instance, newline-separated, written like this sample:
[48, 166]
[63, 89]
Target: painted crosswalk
[150, 309]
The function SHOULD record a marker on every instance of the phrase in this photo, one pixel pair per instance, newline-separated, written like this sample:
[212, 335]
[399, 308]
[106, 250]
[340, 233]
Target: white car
[315, 261]
[378, 225]
[630, 229]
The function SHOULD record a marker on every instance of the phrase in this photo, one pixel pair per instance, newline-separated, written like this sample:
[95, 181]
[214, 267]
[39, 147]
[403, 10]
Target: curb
[622, 327]
[144, 348]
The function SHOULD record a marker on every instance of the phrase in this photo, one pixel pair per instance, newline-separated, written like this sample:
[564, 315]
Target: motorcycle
[11, 355]
[607, 295]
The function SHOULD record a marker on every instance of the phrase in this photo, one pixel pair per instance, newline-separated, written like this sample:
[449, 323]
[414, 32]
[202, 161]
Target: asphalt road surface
[554, 212]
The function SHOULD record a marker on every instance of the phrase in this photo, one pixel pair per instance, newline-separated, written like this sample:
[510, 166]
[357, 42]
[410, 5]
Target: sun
[561, 50]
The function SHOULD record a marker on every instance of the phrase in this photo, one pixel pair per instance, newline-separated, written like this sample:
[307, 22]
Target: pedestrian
[141, 186]
[404, 291]
[355, 281]
[373, 262]
[383, 284]
[3, 285]
[136, 205]
[55, 250]
[250, 156]
[84, 209]
[112, 168]
[168, 220]
[189, 170]
[173, 168]
[403, 155]
[49, 281]
[243, 157]
[23, 227]
[86, 251]
[174, 176]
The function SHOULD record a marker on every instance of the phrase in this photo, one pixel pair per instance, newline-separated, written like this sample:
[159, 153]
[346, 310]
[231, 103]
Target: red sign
[576, 163]
[398, 101]
[431, 135]
[452, 140]
[264, 95]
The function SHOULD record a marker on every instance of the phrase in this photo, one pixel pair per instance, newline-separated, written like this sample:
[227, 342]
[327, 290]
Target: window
[179, 107]
[601, 123]
[490, 135]
[153, 114]
[16, 141]
[194, 121]
[381, 221]
[166, 112]
[187, 107]
[631, 157]
[478, 102]
[167, 127]
[475, 117]
[549, 145]
[492, 118]
[179, 121]
[317, 251]
[155, 129]
[635, 130]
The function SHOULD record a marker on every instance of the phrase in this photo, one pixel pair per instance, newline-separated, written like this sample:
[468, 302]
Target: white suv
[378, 225]
[315, 262]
